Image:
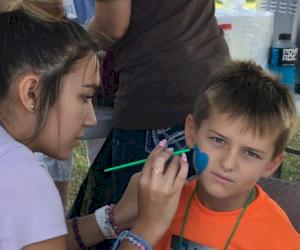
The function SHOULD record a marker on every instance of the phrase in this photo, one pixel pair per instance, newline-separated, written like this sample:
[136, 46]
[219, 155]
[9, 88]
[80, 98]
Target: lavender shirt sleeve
[30, 206]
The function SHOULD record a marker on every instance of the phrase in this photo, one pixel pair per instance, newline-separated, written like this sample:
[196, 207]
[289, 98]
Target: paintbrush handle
[139, 162]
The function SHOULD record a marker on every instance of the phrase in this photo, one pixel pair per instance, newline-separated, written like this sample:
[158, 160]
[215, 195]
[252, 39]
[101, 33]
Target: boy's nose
[228, 160]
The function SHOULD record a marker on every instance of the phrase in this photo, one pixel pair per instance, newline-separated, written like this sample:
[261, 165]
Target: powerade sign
[283, 56]
[289, 56]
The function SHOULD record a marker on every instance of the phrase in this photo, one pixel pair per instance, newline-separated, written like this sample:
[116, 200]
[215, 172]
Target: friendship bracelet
[134, 239]
[105, 221]
[76, 234]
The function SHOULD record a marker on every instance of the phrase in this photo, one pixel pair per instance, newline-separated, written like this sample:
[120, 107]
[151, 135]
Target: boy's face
[237, 157]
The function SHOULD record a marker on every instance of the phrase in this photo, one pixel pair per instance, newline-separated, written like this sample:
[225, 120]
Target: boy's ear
[274, 165]
[28, 91]
[190, 131]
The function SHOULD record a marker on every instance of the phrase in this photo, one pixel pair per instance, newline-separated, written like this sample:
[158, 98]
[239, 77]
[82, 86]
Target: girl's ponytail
[46, 10]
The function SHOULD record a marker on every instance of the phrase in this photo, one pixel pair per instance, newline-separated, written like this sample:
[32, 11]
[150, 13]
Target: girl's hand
[125, 212]
[159, 192]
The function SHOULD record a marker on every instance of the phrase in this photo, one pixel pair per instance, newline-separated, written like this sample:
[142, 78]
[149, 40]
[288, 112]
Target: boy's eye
[217, 140]
[252, 154]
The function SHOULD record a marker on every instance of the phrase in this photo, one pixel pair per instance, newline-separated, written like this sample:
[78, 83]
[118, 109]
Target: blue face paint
[200, 160]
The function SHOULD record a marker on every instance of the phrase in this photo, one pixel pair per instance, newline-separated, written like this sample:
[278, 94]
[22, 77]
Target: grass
[291, 166]
[79, 172]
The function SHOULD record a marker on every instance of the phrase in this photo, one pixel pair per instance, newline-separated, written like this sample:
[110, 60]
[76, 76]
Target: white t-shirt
[30, 206]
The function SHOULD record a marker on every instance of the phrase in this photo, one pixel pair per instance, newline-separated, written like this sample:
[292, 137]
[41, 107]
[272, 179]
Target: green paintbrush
[139, 162]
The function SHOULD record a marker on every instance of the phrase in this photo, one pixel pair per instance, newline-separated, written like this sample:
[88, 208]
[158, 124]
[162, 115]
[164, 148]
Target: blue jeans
[132, 145]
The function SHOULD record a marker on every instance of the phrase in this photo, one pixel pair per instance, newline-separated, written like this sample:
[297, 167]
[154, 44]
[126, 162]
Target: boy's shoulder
[269, 213]
[263, 207]
[263, 215]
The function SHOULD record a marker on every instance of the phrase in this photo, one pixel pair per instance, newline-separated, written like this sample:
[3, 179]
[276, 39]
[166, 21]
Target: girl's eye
[217, 140]
[252, 154]
[87, 97]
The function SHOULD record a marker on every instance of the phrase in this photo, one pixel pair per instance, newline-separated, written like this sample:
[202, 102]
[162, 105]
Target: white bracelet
[104, 218]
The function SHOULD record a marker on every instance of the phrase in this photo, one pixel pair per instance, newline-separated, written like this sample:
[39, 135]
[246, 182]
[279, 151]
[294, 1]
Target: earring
[32, 106]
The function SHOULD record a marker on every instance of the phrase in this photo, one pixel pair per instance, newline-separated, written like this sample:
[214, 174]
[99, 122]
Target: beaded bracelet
[134, 239]
[76, 234]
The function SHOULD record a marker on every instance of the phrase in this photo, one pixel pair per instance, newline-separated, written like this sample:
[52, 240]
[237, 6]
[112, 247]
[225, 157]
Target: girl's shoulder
[31, 207]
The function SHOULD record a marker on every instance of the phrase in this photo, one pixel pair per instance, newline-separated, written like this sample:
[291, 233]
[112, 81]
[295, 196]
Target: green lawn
[80, 169]
[291, 167]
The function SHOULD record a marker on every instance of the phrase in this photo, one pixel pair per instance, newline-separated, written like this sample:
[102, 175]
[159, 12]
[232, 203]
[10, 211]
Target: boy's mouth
[222, 177]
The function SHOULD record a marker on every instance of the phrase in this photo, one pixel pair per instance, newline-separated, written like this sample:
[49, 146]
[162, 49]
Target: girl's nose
[91, 119]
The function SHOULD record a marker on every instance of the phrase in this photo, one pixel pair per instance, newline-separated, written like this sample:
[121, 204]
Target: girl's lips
[222, 177]
[77, 141]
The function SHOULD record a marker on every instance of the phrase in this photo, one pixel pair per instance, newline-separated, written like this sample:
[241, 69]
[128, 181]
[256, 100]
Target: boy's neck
[226, 204]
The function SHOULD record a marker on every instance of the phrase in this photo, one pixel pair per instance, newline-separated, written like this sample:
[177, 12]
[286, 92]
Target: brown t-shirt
[165, 58]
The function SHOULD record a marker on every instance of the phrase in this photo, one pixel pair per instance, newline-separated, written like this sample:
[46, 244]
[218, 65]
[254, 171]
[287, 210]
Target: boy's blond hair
[244, 89]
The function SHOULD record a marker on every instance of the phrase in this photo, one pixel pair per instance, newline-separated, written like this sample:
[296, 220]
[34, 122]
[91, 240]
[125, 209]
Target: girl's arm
[112, 18]
[147, 206]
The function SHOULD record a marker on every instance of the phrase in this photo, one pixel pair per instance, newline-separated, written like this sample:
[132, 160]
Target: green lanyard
[187, 210]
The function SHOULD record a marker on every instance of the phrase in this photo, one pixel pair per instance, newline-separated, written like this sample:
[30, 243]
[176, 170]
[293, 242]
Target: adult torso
[165, 58]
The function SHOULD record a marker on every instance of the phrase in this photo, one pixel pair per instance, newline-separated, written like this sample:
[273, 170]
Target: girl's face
[73, 111]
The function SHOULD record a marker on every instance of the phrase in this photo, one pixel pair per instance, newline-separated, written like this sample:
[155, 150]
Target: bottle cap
[285, 36]
[226, 26]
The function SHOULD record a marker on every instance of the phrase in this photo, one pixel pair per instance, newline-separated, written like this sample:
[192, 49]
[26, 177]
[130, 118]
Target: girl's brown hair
[36, 36]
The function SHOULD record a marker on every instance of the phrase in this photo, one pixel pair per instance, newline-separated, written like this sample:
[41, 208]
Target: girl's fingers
[171, 172]
[182, 173]
[173, 178]
[159, 162]
[156, 151]
[176, 173]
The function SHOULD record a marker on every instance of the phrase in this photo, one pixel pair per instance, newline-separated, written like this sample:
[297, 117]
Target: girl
[48, 76]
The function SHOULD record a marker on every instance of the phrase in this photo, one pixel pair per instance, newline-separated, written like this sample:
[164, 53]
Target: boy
[242, 122]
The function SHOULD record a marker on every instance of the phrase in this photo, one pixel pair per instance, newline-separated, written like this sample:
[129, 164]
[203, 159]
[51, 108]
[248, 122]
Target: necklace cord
[247, 203]
[186, 214]
[187, 210]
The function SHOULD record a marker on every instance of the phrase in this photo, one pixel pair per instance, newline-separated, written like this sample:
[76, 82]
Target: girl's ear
[190, 131]
[274, 165]
[28, 90]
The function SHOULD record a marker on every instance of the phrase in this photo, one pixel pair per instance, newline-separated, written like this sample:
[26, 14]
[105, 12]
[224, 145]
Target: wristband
[134, 239]
[104, 218]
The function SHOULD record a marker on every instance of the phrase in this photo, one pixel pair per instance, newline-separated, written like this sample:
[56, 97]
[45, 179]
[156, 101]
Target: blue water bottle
[283, 59]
